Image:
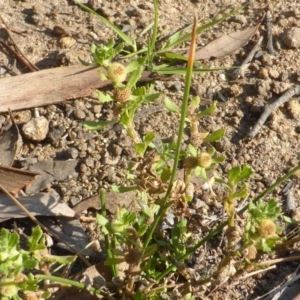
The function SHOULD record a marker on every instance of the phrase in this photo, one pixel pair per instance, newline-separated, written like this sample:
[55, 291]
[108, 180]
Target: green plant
[16, 265]
[154, 242]
[139, 239]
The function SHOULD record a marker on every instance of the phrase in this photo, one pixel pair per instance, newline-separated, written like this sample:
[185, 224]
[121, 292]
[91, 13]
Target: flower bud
[204, 160]
[251, 252]
[190, 162]
[116, 72]
[122, 95]
[267, 228]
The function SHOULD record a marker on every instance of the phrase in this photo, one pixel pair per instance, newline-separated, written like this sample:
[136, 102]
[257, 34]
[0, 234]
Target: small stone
[263, 73]
[83, 168]
[79, 114]
[116, 150]
[36, 129]
[266, 60]
[273, 73]
[291, 38]
[67, 42]
[90, 162]
[74, 200]
[222, 77]
[284, 76]
[280, 87]
[96, 109]
[23, 116]
[177, 86]
[72, 153]
[293, 107]
[55, 133]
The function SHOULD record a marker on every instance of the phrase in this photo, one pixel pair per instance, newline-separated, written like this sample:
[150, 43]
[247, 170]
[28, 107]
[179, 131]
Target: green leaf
[210, 110]
[135, 64]
[98, 125]
[101, 220]
[195, 102]
[171, 106]
[151, 97]
[288, 220]
[192, 150]
[199, 30]
[134, 77]
[173, 56]
[103, 97]
[122, 189]
[200, 172]
[36, 241]
[239, 173]
[83, 62]
[241, 193]
[114, 261]
[182, 71]
[13, 240]
[140, 148]
[166, 174]
[219, 159]
[118, 31]
[215, 136]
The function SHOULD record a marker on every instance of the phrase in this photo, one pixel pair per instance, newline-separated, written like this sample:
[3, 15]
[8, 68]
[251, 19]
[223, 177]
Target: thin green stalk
[154, 34]
[222, 225]
[73, 283]
[114, 268]
[188, 79]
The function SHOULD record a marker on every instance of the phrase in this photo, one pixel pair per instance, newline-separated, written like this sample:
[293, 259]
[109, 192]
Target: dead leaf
[41, 204]
[14, 179]
[71, 232]
[51, 170]
[226, 44]
[114, 200]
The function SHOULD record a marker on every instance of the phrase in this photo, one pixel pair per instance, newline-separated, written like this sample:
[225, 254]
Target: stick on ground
[245, 64]
[269, 33]
[269, 108]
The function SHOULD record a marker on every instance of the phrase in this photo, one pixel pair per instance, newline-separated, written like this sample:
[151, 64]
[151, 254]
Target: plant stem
[114, 268]
[154, 34]
[73, 283]
[222, 225]
[188, 79]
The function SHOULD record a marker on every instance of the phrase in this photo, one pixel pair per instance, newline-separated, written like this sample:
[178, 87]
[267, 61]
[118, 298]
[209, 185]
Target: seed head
[190, 162]
[116, 72]
[204, 160]
[251, 252]
[267, 228]
[122, 95]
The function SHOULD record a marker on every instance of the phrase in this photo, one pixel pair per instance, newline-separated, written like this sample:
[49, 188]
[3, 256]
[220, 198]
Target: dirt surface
[103, 156]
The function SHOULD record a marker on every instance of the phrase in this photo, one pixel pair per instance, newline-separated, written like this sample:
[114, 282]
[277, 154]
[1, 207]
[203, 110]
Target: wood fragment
[269, 108]
[14, 179]
[54, 85]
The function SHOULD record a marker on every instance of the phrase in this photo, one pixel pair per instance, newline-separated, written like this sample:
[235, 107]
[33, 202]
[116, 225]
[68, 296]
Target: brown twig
[20, 56]
[245, 64]
[269, 108]
[35, 220]
[269, 33]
